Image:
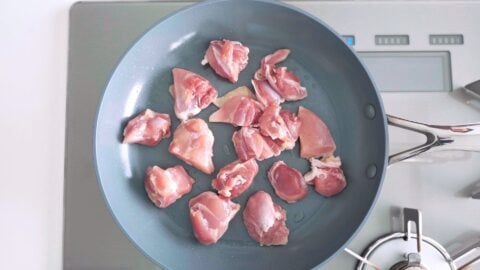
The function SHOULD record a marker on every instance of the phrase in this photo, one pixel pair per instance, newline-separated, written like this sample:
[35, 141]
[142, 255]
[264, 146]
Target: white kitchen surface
[33, 68]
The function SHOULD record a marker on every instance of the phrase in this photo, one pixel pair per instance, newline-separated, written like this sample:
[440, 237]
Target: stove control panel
[409, 29]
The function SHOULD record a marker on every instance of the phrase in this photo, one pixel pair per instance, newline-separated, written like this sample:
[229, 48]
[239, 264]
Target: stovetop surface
[438, 184]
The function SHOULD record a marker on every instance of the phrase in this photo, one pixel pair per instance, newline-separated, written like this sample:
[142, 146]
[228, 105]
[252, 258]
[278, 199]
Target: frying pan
[340, 91]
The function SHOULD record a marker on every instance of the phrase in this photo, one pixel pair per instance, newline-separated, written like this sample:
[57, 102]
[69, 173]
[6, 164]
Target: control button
[392, 40]
[446, 39]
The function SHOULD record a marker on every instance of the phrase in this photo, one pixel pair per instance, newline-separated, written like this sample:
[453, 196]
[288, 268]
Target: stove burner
[411, 263]
[393, 252]
[407, 250]
[414, 268]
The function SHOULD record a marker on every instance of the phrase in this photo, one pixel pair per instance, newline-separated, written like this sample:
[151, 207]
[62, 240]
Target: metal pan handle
[471, 261]
[439, 138]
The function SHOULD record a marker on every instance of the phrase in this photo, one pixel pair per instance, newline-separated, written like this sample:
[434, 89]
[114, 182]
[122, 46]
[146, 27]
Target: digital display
[409, 71]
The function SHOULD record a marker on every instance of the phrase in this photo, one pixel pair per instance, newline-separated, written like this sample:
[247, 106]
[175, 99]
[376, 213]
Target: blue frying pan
[340, 91]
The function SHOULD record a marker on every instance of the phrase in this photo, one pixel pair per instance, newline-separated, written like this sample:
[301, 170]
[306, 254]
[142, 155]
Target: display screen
[409, 71]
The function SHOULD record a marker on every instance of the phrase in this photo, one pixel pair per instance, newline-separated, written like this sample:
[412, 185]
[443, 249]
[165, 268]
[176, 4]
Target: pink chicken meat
[315, 137]
[147, 128]
[265, 93]
[265, 220]
[287, 182]
[191, 92]
[210, 215]
[286, 83]
[281, 125]
[271, 60]
[327, 176]
[274, 84]
[233, 179]
[164, 187]
[227, 58]
[293, 123]
[193, 143]
[239, 111]
[250, 143]
[276, 57]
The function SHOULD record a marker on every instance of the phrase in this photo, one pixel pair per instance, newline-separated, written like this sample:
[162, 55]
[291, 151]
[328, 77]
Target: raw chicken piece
[242, 91]
[327, 176]
[273, 123]
[193, 143]
[210, 215]
[315, 137]
[250, 143]
[191, 93]
[271, 60]
[283, 82]
[238, 111]
[287, 182]
[286, 83]
[227, 58]
[293, 123]
[233, 179]
[276, 57]
[265, 93]
[265, 220]
[164, 187]
[147, 128]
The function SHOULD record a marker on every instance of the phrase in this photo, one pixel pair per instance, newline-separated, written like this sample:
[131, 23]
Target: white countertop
[32, 116]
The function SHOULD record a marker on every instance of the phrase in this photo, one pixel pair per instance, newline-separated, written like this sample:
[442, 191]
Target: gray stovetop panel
[92, 240]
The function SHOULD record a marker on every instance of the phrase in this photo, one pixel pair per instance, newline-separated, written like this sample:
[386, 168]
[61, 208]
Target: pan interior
[339, 91]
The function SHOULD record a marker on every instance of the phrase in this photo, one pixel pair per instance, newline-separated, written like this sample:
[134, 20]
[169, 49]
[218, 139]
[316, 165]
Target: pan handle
[469, 254]
[439, 138]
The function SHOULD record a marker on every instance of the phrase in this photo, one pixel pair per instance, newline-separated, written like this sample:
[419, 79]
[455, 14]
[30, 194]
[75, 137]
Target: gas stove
[421, 54]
